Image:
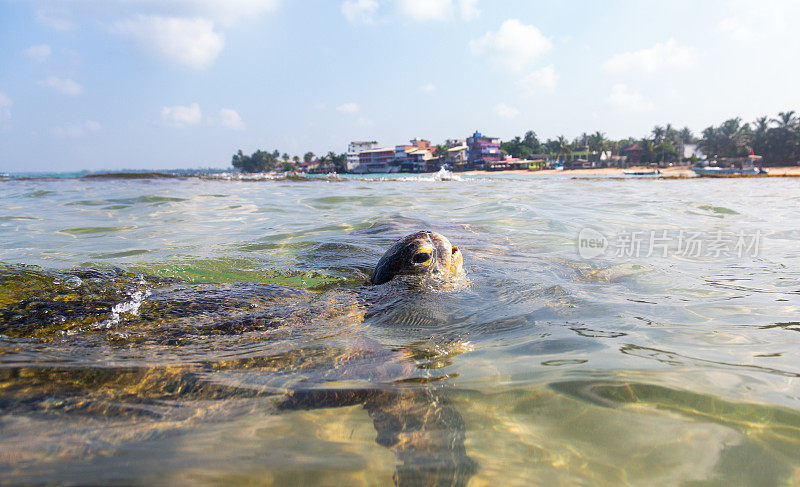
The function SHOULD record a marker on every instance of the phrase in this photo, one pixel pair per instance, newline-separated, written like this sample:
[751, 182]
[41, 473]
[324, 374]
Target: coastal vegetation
[776, 139]
[262, 161]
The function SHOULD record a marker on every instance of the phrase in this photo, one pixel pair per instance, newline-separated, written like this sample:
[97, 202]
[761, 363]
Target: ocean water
[607, 332]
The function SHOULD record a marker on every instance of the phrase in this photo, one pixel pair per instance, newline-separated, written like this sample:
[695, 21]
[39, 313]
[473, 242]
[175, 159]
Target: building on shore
[310, 167]
[692, 151]
[354, 149]
[416, 157]
[456, 157]
[483, 151]
[375, 160]
[633, 154]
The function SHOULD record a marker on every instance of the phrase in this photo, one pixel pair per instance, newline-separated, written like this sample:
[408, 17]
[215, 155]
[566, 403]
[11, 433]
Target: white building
[456, 156]
[690, 150]
[354, 149]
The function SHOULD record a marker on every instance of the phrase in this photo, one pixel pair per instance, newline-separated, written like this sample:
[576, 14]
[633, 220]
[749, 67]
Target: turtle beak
[456, 262]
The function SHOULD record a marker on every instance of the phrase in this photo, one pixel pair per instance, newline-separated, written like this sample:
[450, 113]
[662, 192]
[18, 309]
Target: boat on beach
[728, 171]
[739, 166]
[635, 172]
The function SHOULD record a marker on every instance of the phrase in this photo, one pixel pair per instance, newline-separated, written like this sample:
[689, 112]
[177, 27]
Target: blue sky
[101, 84]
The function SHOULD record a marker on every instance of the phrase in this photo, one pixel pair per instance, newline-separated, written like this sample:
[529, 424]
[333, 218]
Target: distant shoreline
[669, 172]
[679, 172]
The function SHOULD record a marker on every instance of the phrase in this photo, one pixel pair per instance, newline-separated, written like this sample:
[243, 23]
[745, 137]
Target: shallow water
[209, 331]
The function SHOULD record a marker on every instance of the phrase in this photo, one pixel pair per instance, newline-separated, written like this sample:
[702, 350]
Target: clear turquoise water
[641, 368]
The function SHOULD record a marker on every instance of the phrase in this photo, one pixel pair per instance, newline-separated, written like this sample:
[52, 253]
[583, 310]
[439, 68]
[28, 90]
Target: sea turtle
[303, 341]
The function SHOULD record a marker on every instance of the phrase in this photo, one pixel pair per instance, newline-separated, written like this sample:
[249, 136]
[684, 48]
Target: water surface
[209, 331]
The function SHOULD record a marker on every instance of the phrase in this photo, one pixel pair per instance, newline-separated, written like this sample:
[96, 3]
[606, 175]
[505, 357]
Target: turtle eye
[420, 257]
[455, 249]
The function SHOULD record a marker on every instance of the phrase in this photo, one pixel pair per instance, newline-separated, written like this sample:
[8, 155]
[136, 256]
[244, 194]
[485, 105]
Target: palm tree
[563, 147]
[785, 119]
[759, 140]
[686, 135]
[784, 139]
[648, 146]
[596, 143]
[658, 134]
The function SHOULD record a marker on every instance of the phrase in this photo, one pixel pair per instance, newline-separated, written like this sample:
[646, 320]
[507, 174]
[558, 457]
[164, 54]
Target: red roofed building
[633, 153]
[415, 157]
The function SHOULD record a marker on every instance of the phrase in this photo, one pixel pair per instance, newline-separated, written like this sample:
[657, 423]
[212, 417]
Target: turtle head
[421, 253]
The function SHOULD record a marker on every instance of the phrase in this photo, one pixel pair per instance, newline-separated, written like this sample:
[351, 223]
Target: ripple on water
[718, 209]
[122, 202]
[88, 203]
[114, 255]
[39, 193]
[95, 230]
[17, 218]
[147, 199]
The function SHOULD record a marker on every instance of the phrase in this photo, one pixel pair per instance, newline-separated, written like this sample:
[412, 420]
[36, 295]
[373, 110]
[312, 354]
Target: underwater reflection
[614, 432]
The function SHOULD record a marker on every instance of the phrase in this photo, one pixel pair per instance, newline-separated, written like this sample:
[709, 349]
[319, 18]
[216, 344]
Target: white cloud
[767, 22]
[54, 20]
[624, 99]
[734, 28]
[667, 55]
[422, 10]
[469, 9]
[230, 118]
[78, 129]
[225, 12]
[428, 88]
[349, 108]
[505, 111]
[182, 116]
[360, 11]
[191, 42]
[39, 52]
[515, 45]
[542, 80]
[5, 108]
[64, 86]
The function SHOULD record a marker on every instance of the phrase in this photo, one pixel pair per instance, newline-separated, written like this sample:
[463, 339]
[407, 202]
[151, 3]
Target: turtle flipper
[427, 435]
[424, 431]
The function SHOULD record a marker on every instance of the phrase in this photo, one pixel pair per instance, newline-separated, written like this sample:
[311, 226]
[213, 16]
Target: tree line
[262, 161]
[776, 139]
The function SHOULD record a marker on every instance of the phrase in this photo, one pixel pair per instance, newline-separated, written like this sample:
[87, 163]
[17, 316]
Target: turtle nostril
[420, 257]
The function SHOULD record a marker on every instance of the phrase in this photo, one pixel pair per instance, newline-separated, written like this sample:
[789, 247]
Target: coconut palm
[658, 134]
[686, 135]
[563, 147]
[785, 119]
[759, 141]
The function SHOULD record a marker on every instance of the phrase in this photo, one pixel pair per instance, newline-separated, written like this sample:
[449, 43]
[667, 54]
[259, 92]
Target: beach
[676, 172]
